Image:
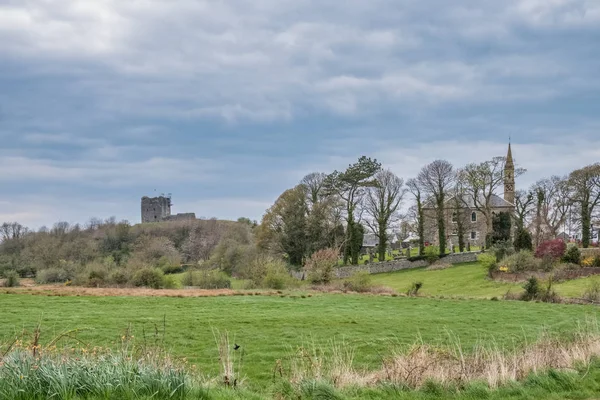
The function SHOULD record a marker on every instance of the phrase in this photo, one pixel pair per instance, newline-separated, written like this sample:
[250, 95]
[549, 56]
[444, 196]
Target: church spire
[509, 177]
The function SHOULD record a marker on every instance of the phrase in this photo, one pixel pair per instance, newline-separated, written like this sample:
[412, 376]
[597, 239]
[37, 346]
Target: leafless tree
[12, 230]
[314, 184]
[553, 206]
[381, 205]
[436, 179]
[524, 207]
[482, 181]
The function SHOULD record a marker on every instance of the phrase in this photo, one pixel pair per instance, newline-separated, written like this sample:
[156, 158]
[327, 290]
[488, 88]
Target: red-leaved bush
[320, 265]
[554, 249]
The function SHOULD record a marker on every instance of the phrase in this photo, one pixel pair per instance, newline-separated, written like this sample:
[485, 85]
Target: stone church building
[473, 221]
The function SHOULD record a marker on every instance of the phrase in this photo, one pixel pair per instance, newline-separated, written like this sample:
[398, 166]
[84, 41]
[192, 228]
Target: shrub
[211, 279]
[359, 282]
[502, 249]
[554, 249]
[150, 277]
[488, 260]
[519, 262]
[94, 275]
[11, 279]
[573, 255]
[532, 289]
[53, 275]
[523, 240]
[414, 288]
[592, 292]
[118, 277]
[596, 262]
[320, 266]
[277, 276]
[432, 254]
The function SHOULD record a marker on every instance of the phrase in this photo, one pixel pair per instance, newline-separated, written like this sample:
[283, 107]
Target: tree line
[335, 210]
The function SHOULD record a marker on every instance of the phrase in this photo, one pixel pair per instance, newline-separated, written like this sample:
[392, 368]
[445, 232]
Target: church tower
[509, 177]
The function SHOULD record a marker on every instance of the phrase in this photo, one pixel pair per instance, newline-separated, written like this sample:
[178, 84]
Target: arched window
[454, 217]
[473, 216]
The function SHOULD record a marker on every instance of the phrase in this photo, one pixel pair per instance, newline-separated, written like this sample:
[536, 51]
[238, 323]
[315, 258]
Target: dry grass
[438, 266]
[451, 364]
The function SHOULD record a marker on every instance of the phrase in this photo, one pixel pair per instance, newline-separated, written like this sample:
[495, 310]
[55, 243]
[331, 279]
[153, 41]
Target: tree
[552, 208]
[523, 240]
[459, 217]
[323, 213]
[419, 216]
[284, 226]
[12, 230]
[482, 181]
[584, 185]
[436, 179]
[502, 228]
[350, 186]
[315, 187]
[381, 204]
[524, 202]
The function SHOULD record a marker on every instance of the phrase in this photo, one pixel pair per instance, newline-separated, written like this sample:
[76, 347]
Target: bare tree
[315, 186]
[417, 192]
[584, 185]
[482, 181]
[553, 206]
[381, 204]
[436, 179]
[12, 230]
[524, 205]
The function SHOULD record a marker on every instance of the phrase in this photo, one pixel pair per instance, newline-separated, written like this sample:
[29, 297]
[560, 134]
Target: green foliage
[149, 277]
[592, 292]
[11, 279]
[523, 240]
[502, 249]
[414, 288]
[24, 375]
[572, 255]
[488, 261]
[532, 289]
[354, 242]
[501, 223]
[55, 275]
[432, 254]
[359, 282]
[520, 262]
[277, 277]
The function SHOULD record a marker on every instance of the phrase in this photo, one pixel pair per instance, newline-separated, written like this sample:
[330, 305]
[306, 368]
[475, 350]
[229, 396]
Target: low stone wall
[459, 258]
[396, 265]
[378, 268]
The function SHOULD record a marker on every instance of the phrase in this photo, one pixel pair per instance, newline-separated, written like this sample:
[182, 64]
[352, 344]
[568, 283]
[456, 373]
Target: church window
[473, 216]
[473, 235]
[454, 218]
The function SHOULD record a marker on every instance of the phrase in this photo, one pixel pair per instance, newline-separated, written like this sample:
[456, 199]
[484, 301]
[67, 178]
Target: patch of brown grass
[452, 364]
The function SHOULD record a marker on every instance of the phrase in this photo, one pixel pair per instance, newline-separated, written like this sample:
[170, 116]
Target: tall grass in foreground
[35, 371]
[450, 364]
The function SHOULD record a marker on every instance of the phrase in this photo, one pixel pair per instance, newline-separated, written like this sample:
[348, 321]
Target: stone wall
[396, 265]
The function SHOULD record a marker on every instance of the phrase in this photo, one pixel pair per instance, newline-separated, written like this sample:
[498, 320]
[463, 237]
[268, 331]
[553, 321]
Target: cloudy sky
[225, 104]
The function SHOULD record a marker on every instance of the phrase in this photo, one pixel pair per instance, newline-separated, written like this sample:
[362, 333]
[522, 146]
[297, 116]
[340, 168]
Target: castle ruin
[158, 209]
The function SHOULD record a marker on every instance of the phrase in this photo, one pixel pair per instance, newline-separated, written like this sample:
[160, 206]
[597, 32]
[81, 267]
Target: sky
[226, 104]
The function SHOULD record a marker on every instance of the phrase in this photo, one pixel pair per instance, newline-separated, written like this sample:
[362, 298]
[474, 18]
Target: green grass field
[267, 327]
[468, 280]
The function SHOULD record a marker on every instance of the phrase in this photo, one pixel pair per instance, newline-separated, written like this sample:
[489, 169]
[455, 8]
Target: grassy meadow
[468, 280]
[267, 327]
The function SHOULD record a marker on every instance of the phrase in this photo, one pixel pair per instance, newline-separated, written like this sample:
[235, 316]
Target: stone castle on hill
[158, 209]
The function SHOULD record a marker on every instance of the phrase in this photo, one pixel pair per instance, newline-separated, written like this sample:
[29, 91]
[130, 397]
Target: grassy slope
[466, 280]
[266, 327]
